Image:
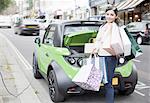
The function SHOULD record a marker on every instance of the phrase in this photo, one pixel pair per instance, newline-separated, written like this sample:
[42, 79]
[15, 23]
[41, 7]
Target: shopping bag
[92, 77]
[88, 47]
[135, 49]
[103, 69]
[126, 42]
[106, 42]
[116, 40]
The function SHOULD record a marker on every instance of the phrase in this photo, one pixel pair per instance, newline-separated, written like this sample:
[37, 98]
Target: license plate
[115, 81]
[31, 27]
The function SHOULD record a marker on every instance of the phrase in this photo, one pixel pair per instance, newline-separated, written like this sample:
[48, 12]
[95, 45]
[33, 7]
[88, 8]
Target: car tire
[139, 40]
[36, 72]
[127, 91]
[54, 92]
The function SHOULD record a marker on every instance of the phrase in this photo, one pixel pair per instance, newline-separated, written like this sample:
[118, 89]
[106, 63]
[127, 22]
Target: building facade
[98, 6]
[24, 7]
[129, 10]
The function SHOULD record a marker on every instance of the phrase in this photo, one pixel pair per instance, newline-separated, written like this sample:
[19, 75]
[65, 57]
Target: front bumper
[126, 82]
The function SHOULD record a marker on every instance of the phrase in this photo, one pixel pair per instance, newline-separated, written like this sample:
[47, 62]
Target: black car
[140, 31]
[27, 27]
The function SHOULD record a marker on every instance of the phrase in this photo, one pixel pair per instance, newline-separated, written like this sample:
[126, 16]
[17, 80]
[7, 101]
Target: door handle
[47, 54]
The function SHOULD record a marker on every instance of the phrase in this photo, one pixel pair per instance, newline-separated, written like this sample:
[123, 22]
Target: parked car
[59, 55]
[27, 27]
[5, 22]
[140, 31]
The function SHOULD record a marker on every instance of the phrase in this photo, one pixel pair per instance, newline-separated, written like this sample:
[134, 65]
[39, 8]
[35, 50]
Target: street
[25, 45]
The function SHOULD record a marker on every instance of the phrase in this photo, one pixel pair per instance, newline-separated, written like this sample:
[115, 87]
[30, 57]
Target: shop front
[133, 10]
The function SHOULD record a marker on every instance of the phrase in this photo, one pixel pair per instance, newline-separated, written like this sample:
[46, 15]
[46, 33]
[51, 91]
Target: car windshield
[77, 29]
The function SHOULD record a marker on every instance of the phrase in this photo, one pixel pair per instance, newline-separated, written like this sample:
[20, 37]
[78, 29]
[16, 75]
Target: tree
[4, 4]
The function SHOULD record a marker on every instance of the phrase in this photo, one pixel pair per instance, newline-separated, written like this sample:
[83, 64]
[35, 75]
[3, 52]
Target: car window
[75, 29]
[49, 35]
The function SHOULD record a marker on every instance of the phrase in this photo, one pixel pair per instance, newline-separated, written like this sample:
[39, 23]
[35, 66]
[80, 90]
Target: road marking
[139, 93]
[21, 57]
[141, 86]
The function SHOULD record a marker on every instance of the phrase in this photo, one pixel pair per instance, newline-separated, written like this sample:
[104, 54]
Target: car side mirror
[38, 41]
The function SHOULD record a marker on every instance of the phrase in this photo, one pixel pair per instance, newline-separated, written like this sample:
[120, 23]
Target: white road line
[23, 60]
[139, 93]
[141, 83]
[142, 87]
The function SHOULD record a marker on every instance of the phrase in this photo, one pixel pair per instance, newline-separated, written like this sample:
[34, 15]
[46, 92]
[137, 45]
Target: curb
[29, 95]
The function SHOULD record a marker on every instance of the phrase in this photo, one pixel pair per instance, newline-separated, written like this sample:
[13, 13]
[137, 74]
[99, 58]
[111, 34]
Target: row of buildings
[129, 10]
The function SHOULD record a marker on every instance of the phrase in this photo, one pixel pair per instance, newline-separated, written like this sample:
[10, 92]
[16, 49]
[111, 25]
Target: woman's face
[110, 16]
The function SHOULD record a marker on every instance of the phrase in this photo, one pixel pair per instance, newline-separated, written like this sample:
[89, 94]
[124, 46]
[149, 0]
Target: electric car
[59, 55]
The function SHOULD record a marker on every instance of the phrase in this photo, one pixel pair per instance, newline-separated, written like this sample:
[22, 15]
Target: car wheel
[36, 72]
[139, 40]
[54, 92]
[127, 91]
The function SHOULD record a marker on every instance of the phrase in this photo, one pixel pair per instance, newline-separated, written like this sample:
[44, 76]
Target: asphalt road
[25, 44]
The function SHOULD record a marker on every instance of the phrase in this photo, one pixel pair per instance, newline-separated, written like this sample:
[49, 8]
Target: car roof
[66, 22]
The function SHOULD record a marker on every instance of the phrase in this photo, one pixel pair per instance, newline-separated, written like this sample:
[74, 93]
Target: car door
[47, 46]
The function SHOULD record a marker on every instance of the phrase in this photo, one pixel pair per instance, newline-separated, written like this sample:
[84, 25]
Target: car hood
[80, 38]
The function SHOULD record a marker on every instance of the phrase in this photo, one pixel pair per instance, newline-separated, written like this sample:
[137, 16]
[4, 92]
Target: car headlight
[121, 61]
[71, 60]
[80, 62]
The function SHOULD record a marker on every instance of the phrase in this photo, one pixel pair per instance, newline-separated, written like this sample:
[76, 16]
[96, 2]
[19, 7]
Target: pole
[75, 12]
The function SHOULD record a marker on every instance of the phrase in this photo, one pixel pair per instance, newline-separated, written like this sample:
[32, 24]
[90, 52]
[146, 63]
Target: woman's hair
[115, 11]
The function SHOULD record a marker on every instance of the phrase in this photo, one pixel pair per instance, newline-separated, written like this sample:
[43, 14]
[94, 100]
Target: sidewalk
[14, 77]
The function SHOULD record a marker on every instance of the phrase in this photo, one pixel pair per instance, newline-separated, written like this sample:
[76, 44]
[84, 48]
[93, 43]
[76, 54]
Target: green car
[59, 55]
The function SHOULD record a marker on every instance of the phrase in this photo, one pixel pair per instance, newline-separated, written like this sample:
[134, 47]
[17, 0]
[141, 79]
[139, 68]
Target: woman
[108, 57]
